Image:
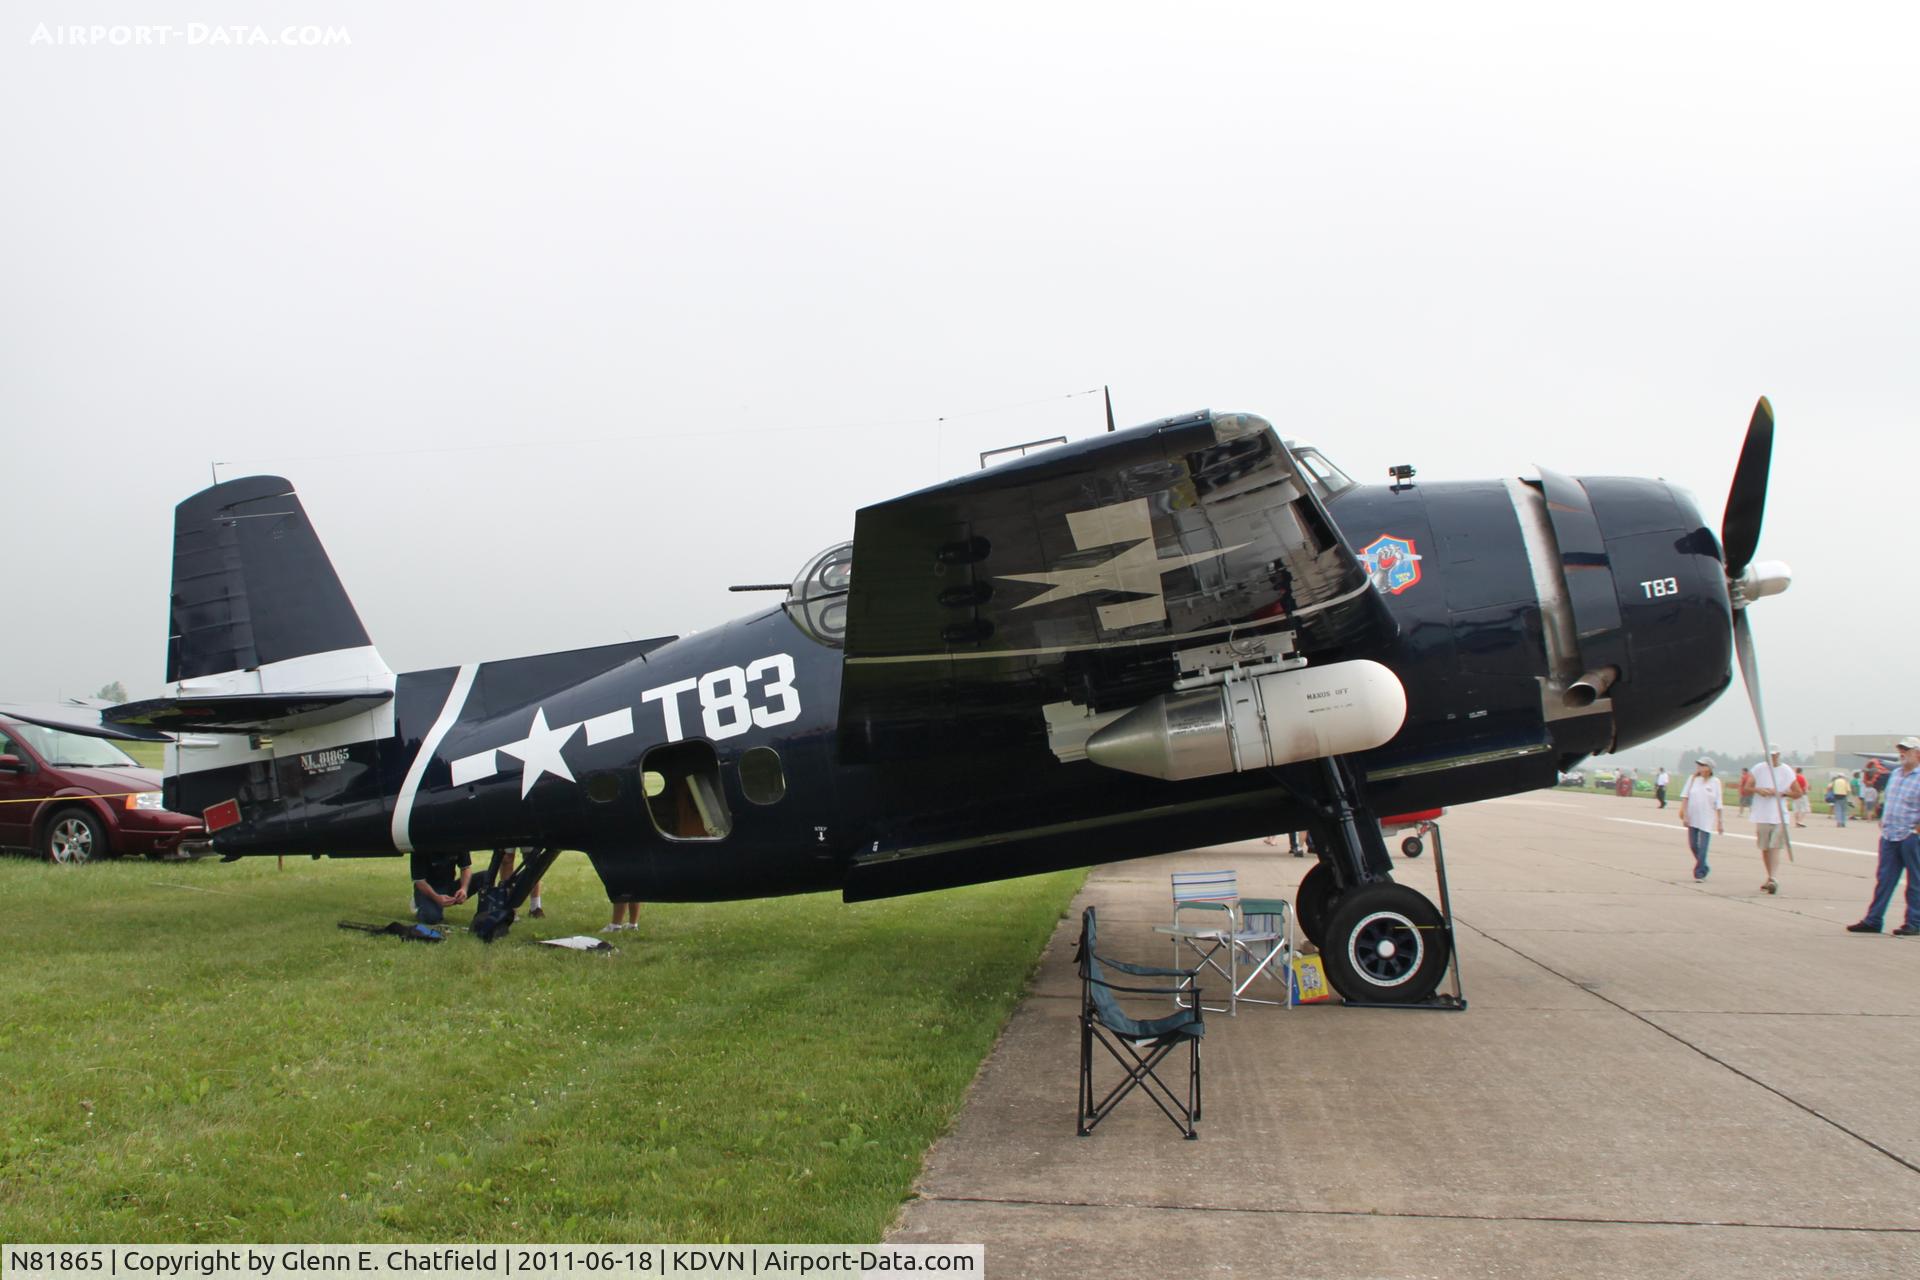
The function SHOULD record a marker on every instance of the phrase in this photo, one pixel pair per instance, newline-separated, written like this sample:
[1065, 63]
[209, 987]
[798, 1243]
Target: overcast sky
[562, 317]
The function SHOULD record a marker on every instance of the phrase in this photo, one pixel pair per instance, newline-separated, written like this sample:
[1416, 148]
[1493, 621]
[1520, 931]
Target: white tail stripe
[335, 669]
[449, 716]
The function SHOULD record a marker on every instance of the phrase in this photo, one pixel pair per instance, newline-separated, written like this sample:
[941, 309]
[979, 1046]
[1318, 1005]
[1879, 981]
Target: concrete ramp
[1655, 1077]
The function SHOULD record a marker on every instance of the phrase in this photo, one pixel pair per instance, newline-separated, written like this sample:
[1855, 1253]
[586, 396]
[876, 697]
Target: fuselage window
[761, 778]
[682, 784]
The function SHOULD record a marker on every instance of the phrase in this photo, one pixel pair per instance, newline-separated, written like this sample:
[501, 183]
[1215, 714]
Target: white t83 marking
[668, 696]
[779, 666]
[732, 699]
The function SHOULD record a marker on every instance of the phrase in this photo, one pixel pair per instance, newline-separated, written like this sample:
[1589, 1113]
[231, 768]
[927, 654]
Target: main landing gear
[1387, 944]
[498, 902]
[1381, 942]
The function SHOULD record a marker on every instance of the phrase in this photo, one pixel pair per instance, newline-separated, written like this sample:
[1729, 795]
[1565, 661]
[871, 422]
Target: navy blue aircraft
[1157, 639]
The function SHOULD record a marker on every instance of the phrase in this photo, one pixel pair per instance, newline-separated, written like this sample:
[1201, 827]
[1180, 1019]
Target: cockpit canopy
[1328, 480]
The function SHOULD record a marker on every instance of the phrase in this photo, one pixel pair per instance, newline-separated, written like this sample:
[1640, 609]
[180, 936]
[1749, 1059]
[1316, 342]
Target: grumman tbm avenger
[1161, 638]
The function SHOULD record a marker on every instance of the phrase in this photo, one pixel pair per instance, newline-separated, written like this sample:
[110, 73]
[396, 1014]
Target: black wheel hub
[1386, 948]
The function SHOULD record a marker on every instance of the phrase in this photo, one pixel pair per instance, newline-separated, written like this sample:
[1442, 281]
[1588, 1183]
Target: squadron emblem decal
[1392, 563]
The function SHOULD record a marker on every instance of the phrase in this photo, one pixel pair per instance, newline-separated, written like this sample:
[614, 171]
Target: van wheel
[74, 836]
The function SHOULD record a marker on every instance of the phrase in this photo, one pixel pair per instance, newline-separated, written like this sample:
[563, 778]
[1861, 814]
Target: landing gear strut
[1381, 943]
[498, 902]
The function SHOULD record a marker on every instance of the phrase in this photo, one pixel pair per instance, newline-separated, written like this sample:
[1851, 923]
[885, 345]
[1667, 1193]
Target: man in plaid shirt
[1899, 845]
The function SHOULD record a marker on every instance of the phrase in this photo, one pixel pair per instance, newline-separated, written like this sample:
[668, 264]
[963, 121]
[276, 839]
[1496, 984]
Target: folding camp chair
[1138, 1045]
[1242, 940]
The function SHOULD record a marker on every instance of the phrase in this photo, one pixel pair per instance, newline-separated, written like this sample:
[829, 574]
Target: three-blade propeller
[1739, 538]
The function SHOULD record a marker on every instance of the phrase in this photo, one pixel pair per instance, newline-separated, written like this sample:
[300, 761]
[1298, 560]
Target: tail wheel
[74, 836]
[1412, 847]
[1314, 902]
[1386, 944]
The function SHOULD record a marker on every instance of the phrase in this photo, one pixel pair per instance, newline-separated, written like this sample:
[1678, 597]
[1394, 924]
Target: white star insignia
[539, 751]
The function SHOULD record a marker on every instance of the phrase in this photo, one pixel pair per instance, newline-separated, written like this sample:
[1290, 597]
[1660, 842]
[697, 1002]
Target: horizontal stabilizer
[81, 718]
[245, 712]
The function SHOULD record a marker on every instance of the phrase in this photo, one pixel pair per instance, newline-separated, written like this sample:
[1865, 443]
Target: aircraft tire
[1386, 944]
[1412, 847]
[74, 836]
[1315, 901]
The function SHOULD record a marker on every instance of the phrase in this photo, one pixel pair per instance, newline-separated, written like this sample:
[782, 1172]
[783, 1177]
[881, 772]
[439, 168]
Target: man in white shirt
[1700, 813]
[1660, 786]
[1774, 787]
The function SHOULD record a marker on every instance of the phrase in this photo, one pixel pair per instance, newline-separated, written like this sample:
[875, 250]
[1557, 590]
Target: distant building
[1850, 750]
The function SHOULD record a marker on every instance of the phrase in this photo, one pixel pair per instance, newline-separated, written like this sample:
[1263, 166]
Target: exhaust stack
[1591, 687]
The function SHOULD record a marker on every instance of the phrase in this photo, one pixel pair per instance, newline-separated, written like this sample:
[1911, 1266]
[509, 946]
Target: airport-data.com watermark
[192, 35]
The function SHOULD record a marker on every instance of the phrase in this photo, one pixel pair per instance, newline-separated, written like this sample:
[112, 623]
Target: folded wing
[1095, 574]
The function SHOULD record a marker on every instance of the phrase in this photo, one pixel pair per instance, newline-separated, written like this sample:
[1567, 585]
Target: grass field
[196, 1052]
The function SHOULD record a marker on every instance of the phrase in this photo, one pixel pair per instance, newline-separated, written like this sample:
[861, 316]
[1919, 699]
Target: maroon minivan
[72, 798]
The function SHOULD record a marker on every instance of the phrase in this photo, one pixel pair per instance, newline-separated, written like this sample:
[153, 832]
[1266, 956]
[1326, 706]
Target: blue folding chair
[1138, 1045]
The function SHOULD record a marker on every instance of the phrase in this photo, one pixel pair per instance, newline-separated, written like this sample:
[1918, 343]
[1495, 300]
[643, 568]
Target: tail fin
[252, 586]
[262, 635]
[281, 701]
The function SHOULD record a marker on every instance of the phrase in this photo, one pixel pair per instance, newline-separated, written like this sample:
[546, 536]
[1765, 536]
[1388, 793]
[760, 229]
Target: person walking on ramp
[1700, 813]
[1774, 788]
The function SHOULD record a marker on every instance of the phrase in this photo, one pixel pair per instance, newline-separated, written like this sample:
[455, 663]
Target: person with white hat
[1775, 786]
[1700, 813]
[1899, 845]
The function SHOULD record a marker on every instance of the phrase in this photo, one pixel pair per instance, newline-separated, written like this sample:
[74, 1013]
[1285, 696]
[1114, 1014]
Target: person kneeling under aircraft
[440, 880]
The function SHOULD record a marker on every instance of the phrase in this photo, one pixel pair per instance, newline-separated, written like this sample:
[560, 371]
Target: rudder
[252, 586]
